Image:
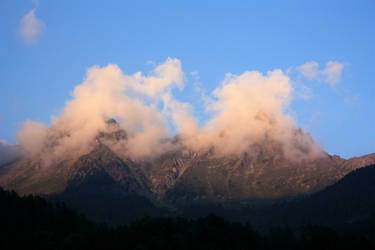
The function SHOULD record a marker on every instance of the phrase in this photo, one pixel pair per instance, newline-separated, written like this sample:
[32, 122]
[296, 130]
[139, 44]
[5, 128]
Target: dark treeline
[34, 223]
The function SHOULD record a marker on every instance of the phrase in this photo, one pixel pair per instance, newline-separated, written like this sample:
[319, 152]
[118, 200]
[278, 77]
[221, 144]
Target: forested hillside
[33, 223]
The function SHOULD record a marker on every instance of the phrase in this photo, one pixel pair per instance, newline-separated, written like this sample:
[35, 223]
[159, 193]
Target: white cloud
[304, 92]
[331, 74]
[32, 137]
[31, 27]
[162, 77]
[150, 62]
[109, 93]
[309, 69]
[246, 110]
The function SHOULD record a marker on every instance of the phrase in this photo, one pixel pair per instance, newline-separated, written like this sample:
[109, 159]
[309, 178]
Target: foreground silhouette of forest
[34, 223]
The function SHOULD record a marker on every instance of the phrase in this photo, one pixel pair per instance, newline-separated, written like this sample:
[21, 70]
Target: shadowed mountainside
[34, 223]
[350, 201]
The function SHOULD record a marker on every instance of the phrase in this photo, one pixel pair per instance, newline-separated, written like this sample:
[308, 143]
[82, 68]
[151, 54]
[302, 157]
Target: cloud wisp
[331, 74]
[245, 110]
[31, 27]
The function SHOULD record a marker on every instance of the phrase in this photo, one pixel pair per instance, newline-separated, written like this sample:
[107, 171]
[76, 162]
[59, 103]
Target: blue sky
[212, 38]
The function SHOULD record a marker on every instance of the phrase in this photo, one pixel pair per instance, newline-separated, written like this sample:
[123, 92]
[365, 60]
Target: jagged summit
[113, 133]
[111, 122]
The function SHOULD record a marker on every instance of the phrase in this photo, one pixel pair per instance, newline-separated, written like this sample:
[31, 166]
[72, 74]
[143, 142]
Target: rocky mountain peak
[112, 134]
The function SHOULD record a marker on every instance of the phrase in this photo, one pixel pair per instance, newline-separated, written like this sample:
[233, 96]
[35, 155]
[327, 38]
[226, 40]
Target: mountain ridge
[178, 177]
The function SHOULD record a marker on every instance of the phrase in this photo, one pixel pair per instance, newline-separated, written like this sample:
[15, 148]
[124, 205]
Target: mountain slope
[107, 179]
[30, 176]
[106, 189]
[182, 176]
[102, 169]
[268, 175]
[350, 200]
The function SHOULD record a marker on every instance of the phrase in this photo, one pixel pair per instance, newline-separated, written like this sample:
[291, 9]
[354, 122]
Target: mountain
[348, 206]
[99, 183]
[108, 189]
[104, 171]
[351, 200]
[205, 178]
[104, 182]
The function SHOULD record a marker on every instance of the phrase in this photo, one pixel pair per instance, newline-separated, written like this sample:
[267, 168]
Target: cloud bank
[245, 110]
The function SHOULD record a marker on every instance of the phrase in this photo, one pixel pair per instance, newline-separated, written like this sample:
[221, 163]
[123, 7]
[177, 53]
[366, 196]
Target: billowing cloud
[248, 109]
[31, 27]
[32, 136]
[107, 93]
[245, 110]
[331, 74]
[161, 78]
